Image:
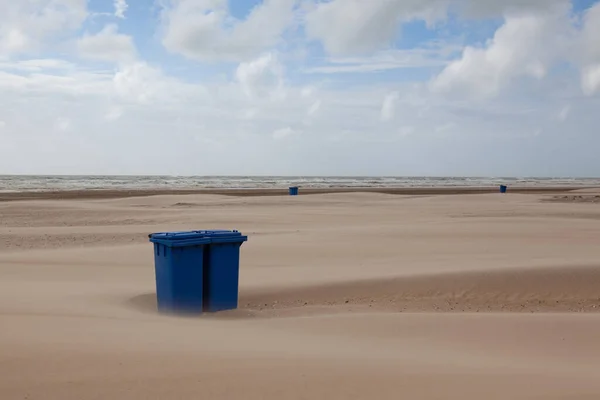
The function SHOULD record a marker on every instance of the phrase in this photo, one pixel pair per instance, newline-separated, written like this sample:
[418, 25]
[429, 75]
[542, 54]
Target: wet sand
[445, 295]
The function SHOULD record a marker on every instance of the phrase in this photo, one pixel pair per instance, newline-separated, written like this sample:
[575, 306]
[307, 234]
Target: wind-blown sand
[343, 296]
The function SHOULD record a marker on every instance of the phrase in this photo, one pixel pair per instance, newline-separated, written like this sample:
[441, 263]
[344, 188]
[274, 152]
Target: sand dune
[577, 198]
[342, 296]
[566, 289]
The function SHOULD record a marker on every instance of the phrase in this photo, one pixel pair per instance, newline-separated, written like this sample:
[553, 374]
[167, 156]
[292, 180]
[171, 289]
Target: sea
[23, 183]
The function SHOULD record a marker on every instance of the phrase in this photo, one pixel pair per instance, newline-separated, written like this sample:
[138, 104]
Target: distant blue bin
[197, 271]
[503, 188]
[294, 191]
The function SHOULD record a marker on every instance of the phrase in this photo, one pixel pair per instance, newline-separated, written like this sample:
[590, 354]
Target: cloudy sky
[313, 87]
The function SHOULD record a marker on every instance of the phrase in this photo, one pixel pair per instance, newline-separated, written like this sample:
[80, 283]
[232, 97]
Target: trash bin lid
[193, 238]
[224, 236]
[179, 239]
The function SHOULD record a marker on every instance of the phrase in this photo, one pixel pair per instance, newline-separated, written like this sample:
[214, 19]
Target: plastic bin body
[197, 271]
[503, 188]
[178, 264]
[293, 191]
[179, 278]
[222, 270]
[221, 277]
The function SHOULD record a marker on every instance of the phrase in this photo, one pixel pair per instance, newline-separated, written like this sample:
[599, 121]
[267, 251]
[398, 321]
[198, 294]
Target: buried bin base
[197, 271]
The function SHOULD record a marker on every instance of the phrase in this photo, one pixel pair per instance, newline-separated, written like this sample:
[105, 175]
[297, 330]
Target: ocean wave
[59, 183]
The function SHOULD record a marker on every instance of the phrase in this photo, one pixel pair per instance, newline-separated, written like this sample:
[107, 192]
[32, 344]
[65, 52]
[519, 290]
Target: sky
[300, 87]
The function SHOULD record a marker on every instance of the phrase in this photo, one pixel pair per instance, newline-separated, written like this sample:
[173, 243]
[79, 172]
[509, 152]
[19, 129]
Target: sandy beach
[345, 295]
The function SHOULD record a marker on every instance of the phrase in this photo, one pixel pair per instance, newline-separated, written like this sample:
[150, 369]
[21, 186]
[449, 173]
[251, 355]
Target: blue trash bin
[197, 271]
[294, 191]
[503, 188]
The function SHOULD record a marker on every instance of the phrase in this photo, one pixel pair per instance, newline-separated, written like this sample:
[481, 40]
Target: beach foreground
[342, 296]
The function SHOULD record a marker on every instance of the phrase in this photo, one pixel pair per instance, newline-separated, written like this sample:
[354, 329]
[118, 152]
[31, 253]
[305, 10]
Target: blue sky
[345, 87]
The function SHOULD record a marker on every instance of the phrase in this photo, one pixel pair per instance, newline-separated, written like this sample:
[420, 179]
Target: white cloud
[307, 91]
[75, 82]
[204, 30]
[37, 65]
[590, 71]
[358, 26]
[445, 127]
[283, 133]
[314, 108]
[526, 45]
[388, 108]
[406, 131]
[262, 77]
[480, 9]
[388, 60]
[590, 80]
[107, 45]
[564, 113]
[140, 83]
[2, 124]
[62, 124]
[120, 8]
[249, 114]
[114, 114]
[26, 25]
